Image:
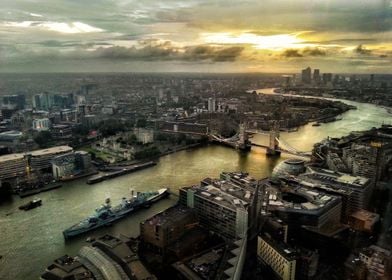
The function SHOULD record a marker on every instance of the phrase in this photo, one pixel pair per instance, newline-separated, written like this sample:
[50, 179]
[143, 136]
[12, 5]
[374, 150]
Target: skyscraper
[316, 76]
[307, 75]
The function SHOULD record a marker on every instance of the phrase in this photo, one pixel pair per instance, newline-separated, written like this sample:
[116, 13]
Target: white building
[41, 124]
[144, 135]
[211, 104]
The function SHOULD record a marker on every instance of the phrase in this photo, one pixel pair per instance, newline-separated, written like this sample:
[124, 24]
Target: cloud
[314, 52]
[306, 52]
[170, 32]
[361, 50]
[217, 54]
[155, 50]
[291, 53]
[62, 27]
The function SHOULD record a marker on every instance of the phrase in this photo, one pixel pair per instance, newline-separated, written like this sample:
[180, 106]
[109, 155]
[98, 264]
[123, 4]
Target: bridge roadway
[298, 154]
[250, 131]
[185, 132]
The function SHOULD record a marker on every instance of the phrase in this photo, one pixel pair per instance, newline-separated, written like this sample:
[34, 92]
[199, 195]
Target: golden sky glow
[196, 35]
[269, 42]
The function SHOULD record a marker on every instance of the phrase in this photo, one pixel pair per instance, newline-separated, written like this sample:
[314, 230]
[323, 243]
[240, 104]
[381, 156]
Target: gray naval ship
[107, 214]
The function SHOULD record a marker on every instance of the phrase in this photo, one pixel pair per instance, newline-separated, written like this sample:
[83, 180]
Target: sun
[268, 42]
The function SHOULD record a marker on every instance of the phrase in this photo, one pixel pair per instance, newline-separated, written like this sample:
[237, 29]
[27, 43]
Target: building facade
[41, 124]
[278, 257]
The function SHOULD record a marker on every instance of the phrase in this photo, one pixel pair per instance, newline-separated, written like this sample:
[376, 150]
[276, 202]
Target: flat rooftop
[314, 184]
[220, 196]
[240, 191]
[283, 249]
[114, 248]
[335, 178]
[169, 216]
[10, 157]
[240, 177]
[365, 215]
[50, 151]
[299, 199]
[12, 133]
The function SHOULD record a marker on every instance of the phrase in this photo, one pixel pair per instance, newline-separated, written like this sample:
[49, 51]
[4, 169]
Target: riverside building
[18, 165]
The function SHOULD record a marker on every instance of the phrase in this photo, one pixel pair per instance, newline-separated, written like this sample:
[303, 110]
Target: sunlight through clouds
[271, 42]
[62, 27]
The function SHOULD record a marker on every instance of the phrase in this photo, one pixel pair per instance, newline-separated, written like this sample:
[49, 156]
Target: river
[29, 241]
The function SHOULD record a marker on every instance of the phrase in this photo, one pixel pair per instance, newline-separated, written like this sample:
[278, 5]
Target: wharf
[119, 172]
[82, 175]
[30, 192]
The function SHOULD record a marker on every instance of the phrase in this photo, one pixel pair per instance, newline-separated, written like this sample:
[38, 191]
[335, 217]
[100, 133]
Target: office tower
[307, 75]
[316, 76]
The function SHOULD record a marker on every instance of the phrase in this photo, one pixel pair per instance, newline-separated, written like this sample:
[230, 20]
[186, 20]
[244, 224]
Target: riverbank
[31, 240]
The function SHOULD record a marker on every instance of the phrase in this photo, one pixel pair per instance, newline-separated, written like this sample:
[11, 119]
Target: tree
[43, 138]
[141, 123]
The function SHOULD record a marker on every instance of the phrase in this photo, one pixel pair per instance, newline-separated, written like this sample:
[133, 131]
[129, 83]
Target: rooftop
[10, 157]
[50, 151]
[335, 178]
[120, 253]
[282, 248]
[225, 194]
[67, 268]
[298, 198]
[169, 216]
[365, 215]
[239, 177]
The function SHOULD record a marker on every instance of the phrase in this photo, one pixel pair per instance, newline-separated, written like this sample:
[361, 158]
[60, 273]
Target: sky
[271, 36]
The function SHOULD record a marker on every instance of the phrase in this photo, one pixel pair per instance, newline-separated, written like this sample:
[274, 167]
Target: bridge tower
[243, 142]
[273, 149]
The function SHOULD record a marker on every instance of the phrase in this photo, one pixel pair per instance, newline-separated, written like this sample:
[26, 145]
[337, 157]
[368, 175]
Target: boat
[316, 124]
[108, 214]
[90, 239]
[31, 204]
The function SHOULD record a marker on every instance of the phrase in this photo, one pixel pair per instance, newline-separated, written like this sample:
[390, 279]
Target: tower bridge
[240, 141]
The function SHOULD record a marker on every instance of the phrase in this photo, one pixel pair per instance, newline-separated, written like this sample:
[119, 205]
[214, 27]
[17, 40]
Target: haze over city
[196, 36]
[196, 139]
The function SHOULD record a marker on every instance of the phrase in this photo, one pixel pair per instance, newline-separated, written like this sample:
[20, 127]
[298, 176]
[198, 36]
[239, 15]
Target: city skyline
[196, 36]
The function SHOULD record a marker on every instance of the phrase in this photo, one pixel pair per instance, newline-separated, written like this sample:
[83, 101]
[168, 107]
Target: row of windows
[274, 259]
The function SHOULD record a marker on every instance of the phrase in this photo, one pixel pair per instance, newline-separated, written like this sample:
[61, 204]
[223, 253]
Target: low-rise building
[278, 256]
[161, 230]
[41, 124]
[63, 166]
[301, 206]
[378, 261]
[71, 164]
[219, 207]
[143, 135]
[359, 187]
[107, 258]
[363, 220]
[61, 131]
[41, 159]
[13, 165]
